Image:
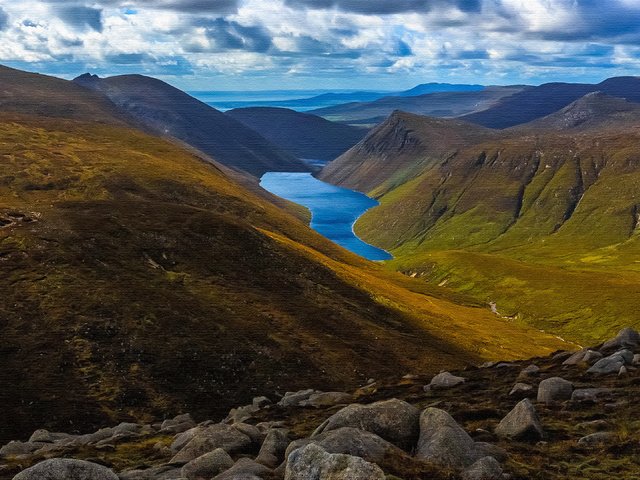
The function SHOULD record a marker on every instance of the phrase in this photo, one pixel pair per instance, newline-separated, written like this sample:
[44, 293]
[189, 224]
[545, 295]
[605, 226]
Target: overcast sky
[310, 44]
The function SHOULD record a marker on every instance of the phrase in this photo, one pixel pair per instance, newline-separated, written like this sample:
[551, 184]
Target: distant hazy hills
[536, 102]
[439, 104]
[303, 135]
[166, 110]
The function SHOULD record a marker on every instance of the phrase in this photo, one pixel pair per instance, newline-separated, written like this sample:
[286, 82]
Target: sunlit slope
[139, 280]
[542, 221]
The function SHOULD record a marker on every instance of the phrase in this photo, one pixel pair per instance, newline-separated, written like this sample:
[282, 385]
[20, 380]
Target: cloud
[4, 19]
[382, 7]
[230, 35]
[79, 16]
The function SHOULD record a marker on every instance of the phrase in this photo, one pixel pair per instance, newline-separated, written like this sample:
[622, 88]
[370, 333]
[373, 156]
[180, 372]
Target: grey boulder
[312, 462]
[245, 469]
[444, 380]
[394, 420]
[521, 390]
[521, 423]
[208, 465]
[626, 338]
[293, 399]
[554, 389]
[487, 468]
[327, 399]
[223, 436]
[273, 448]
[66, 469]
[444, 442]
[589, 394]
[598, 438]
[611, 364]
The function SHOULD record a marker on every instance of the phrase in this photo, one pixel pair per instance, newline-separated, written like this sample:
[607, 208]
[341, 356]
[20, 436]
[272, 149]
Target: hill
[541, 223]
[141, 279]
[426, 88]
[397, 149]
[543, 100]
[165, 110]
[440, 104]
[594, 111]
[302, 135]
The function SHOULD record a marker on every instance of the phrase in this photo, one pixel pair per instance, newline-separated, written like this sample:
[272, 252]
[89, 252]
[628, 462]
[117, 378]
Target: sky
[325, 44]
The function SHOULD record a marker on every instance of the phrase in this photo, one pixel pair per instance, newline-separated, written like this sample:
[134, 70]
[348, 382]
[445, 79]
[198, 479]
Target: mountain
[543, 223]
[595, 110]
[141, 279]
[537, 102]
[165, 110]
[426, 88]
[302, 135]
[441, 104]
[397, 150]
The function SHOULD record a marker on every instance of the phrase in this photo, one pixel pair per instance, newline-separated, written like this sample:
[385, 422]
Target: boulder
[528, 372]
[273, 448]
[636, 360]
[45, 436]
[245, 469]
[93, 438]
[554, 389]
[597, 439]
[312, 462]
[394, 420]
[626, 338]
[220, 435]
[521, 390]
[444, 380]
[19, 448]
[207, 466]
[159, 472]
[66, 469]
[521, 423]
[487, 468]
[261, 402]
[444, 442]
[593, 425]
[180, 440]
[293, 399]
[241, 414]
[583, 356]
[327, 399]
[589, 394]
[607, 365]
[127, 429]
[351, 441]
[178, 424]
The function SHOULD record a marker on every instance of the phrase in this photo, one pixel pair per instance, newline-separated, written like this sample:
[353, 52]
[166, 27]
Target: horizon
[374, 45]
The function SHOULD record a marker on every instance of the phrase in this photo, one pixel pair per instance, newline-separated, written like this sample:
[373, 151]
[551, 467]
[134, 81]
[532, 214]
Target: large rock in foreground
[521, 423]
[554, 389]
[314, 463]
[66, 469]
[394, 420]
[444, 442]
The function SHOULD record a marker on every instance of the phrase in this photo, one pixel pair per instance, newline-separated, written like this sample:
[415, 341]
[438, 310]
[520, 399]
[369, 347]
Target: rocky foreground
[572, 415]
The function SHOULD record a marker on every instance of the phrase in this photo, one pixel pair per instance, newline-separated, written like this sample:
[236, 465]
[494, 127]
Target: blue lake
[334, 210]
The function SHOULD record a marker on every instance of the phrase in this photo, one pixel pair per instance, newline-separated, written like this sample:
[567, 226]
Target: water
[334, 210]
[300, 100]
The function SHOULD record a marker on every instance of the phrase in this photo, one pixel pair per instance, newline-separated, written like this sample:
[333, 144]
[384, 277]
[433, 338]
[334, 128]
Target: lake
[334, 210]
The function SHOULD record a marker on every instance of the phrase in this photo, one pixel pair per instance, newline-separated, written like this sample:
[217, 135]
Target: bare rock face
[314, 463]
[554, 389]
[521, 423]
[394, 420]
[66, 469]
[444, 442]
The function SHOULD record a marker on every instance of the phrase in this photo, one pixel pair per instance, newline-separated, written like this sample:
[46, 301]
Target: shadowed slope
[303, 135]
[169, 111]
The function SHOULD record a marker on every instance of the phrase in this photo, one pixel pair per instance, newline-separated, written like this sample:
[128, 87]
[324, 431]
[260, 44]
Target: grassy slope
[543, 224]
[139, 280]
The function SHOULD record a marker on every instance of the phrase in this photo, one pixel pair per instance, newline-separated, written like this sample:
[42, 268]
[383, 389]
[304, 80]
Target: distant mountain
[537, 102]
[441, 104]
[426, 88]
[303, 135]
[168, 111]
[595, 110]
